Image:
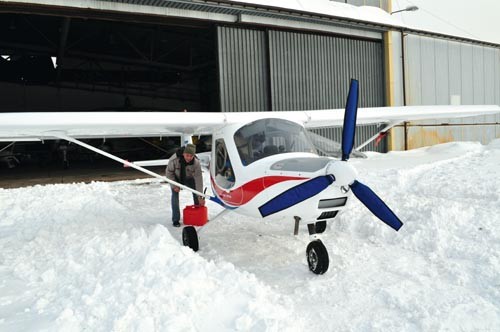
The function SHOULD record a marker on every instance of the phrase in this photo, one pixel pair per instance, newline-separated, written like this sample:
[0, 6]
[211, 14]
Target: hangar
[231, 56]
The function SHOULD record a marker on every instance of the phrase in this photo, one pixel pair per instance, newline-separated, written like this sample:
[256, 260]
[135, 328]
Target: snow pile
[104, 257]
[75, 257]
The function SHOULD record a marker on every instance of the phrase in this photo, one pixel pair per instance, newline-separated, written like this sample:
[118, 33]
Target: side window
[242, 144]
[224, 174]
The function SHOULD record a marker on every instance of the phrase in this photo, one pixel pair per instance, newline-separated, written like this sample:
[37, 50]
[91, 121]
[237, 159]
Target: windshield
[266, 137]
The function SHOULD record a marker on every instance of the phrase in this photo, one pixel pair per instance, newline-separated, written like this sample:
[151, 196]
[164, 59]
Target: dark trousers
[176, 213]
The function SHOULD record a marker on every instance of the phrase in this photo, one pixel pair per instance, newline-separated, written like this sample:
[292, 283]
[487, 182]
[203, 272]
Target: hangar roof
[321, 15]
[319, 11]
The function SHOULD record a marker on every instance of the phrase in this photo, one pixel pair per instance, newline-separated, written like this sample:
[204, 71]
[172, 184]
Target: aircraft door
[224, 173]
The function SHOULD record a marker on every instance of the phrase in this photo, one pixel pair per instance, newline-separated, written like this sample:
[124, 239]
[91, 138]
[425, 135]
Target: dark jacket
[193, 170]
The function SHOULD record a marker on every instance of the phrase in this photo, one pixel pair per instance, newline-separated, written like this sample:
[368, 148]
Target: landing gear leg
[65, 156]
[296, 228]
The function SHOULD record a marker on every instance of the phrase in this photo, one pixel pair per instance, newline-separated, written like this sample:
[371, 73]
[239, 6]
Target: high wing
[40, 126]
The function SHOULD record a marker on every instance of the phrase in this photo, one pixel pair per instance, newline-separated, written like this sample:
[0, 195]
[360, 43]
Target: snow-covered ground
[104, 257]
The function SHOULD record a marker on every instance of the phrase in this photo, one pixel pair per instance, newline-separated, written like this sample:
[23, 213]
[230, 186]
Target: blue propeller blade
[296, 195]
[351, 111]
[375, 205]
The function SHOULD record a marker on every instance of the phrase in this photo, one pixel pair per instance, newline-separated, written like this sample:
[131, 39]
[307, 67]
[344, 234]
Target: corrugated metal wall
[242, 70]
[443, 72]
[313, 71]
[306, 71]
[437, 69]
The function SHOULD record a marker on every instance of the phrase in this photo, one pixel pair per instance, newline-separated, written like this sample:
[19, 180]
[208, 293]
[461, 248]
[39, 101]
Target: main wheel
[317, 257]
[190, 238]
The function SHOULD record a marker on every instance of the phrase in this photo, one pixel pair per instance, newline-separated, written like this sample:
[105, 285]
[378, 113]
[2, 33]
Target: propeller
[351, 112]
[375, 205]
[345, 175]
[296, 194]
[361, 191]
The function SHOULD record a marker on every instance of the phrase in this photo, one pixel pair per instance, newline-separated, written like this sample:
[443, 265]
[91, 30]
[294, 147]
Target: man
[185, 168]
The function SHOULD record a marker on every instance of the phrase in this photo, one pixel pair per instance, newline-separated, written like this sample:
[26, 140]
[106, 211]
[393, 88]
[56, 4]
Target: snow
[104, 256]
[333, 8]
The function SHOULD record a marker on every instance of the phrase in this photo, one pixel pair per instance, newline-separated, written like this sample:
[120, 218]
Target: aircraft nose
[344, 173]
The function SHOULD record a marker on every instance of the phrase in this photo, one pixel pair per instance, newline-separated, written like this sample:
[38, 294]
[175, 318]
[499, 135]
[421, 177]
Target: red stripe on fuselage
[249, 190]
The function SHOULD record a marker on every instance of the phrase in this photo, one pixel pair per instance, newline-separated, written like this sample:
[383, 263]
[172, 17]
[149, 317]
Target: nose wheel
[317, 257]
[316, 253]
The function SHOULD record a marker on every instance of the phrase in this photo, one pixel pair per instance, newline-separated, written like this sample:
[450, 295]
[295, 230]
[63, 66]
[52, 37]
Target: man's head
[189, 152]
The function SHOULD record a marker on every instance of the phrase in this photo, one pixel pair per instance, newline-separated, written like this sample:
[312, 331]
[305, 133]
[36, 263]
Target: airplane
[262, 164]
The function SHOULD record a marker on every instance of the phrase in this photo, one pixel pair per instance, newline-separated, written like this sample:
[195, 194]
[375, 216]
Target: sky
[104, 256]
[472, 19]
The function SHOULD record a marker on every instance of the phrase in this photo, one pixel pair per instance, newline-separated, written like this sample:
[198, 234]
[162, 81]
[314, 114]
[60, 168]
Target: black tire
[321, 226]
[317, 257]
[190, 238]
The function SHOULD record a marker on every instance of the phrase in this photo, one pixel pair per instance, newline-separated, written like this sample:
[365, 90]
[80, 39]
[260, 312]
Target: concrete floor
[30, 175]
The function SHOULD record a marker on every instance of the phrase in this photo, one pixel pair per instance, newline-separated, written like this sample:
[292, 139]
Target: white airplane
[262, 163]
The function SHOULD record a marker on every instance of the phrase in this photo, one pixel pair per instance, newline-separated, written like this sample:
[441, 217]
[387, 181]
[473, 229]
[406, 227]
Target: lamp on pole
[407, 9]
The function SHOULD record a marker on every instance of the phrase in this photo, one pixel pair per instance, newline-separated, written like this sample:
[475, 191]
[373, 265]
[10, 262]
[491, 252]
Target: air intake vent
[331, 203]
[327, 215]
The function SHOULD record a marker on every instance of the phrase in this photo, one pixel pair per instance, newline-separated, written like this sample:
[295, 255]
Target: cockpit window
[266, 137]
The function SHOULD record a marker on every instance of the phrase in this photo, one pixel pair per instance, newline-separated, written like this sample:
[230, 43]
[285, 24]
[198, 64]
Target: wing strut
[125, 162]
[8, 146]
[383, 130]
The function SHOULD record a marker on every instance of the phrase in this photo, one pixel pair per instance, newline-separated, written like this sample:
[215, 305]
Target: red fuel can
[195, 215]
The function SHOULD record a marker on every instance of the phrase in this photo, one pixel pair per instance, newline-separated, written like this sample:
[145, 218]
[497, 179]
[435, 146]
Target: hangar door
[276, 70]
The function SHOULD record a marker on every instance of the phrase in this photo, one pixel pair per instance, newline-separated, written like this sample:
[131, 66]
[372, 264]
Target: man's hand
[177, 189]
[201, 201]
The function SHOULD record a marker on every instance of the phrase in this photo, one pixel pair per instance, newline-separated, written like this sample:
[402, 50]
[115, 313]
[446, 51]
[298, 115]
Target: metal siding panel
[397, 66]
[373, 91]
[454, 74]
[320, 98]
[489, 72]
[263, 80]
[478, 74]
[454, 65]
[242, 63]
[278, 93]
[442, 73]
[221, 67]
[325, 85]
[301, 84]
[467, 74]
[428, 71]
[413, 70]
[497, 78]
[378, 68]
[276, 69]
